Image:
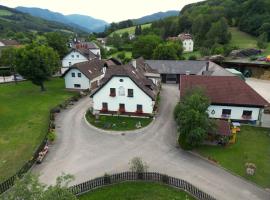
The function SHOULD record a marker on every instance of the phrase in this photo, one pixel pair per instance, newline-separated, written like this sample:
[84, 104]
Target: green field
[242, 40]
[253, 145]
[130, 30]
[137, 191]
[24, 112]
[117, 123]
[128, 54]
[5, 13]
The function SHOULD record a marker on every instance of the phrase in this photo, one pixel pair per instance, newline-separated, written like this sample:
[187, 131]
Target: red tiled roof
[10, 42]
[223, 90]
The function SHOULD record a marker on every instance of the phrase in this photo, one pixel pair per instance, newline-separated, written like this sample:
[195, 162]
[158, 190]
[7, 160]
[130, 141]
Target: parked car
[267, 110]
[18, 77]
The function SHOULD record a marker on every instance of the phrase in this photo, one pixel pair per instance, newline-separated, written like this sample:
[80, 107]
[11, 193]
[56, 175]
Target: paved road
[87, 153]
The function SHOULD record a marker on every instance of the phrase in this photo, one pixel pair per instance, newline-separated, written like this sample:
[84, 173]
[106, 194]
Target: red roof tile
[223, 90]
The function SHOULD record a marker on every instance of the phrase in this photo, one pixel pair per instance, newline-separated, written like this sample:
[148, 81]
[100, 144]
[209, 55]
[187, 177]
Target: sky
[108, 10]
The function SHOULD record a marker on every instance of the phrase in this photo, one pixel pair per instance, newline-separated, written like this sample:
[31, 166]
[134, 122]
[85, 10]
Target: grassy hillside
[244, 40]
[13, 20]
[130, 30]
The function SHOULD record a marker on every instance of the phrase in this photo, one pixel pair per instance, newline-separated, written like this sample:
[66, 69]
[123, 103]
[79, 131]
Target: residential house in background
[125, 90]
[86, 75]
[230, 97]
[80, 52]
[9, 43]
[187, 41]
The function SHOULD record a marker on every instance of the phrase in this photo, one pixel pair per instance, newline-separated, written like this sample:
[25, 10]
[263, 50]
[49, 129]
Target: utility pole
[12, 67]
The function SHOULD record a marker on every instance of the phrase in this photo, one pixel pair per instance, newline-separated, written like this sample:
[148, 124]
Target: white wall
[96, 51]
[71, 59]
[70, 81]
[130, 102]
[188, 45]
[2, 44]
[236, 112]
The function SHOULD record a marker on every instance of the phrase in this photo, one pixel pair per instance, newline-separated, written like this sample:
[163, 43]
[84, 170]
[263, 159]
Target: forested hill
[12, 20]
[250, 16]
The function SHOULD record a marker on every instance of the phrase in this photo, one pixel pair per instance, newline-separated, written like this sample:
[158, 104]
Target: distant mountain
[83, 22]
[14, 20]
[156, 16]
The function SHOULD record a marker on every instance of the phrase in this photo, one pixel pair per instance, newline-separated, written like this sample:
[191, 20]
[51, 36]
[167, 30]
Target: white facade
[71, 82]
[74, 79]
[121, 85]
[2, 44]
[215, 111]
[72, 58]
[96, 52]
[188, 45]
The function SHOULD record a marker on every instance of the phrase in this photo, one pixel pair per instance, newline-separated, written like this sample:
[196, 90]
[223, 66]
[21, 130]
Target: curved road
[87, 153]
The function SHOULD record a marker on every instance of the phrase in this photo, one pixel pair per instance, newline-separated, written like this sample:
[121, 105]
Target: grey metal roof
[177, 66]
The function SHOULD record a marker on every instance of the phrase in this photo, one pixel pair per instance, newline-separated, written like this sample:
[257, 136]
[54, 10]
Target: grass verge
[253, 145]
[137, 191]
[117, 123]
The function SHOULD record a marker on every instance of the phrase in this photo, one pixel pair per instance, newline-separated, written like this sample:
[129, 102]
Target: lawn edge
[229, 171]
[112, 132]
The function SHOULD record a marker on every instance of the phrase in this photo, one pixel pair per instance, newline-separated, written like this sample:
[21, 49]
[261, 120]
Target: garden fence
[133, 176]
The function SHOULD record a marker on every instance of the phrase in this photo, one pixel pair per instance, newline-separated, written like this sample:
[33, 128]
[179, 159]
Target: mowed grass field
[5, 12]
[253, 145]
[137, 191]
[24, 112]
[130, 30]
[244, 40]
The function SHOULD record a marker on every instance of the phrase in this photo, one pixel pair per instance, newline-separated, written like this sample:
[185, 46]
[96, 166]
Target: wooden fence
[133, 176]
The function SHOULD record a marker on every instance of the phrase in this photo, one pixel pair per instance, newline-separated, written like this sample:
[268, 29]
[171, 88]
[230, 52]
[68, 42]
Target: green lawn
[128, 54]
[194, 53]
[24, 114]
[242, 40]
[117, 123]
[130, 30]
[253, 145]
[137, 191]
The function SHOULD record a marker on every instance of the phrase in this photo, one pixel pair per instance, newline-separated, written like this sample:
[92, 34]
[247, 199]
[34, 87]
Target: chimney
[134, 63]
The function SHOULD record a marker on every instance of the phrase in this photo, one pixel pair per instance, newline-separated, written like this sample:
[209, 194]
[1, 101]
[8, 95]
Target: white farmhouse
[80, 52]
[230, 97]
[187, 41]
[86, 75]
[125, 90]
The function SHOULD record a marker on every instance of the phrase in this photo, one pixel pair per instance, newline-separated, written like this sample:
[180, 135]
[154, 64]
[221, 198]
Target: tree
[262, 41]
[168, 51]
[115, 40]
[37, 63]
[145, 45]
[138, 30]
[30, 188]
[137, 165]
[58, 42]
[192, 118]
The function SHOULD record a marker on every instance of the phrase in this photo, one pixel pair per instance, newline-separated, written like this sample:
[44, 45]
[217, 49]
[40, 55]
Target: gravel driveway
[87, 153]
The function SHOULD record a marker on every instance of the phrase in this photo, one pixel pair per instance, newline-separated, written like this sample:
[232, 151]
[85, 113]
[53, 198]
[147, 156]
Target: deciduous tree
[192, 118]
[37, 63]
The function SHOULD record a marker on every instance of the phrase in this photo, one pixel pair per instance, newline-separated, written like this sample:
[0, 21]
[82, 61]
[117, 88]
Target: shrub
[192, 57]
[56, 110]
[137, 165]
[107, 178]
[52, 125]
[165, 179]
[52, 117]
[51, 136]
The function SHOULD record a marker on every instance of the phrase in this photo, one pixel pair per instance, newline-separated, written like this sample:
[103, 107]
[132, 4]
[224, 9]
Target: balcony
[139, 112]
[122, 110]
